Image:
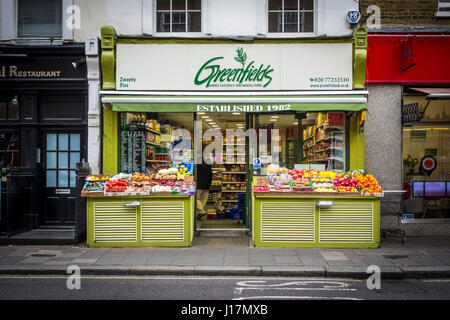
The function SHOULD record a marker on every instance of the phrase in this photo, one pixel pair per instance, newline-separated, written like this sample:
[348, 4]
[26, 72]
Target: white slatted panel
[114, 222]
[287, 222]
[346, 222]
[162, 221]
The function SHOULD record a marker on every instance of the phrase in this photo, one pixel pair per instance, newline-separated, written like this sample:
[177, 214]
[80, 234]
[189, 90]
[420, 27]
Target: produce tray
[350, 193]
[379, 195]
[92, 194]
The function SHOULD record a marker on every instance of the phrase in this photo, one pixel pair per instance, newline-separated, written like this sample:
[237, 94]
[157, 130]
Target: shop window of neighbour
[291, 16]
[178, 15]
[9, 110]
[427, 138]
[9, 149]
[39, 19]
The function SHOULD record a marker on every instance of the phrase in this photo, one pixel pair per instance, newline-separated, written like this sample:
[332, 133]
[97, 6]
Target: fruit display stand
[132, 219]
[315, 219]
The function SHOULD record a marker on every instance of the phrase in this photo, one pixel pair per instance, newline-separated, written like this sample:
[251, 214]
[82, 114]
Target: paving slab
[83, 261]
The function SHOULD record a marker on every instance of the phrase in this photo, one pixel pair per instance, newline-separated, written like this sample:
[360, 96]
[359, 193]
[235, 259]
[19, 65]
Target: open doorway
[224, 206]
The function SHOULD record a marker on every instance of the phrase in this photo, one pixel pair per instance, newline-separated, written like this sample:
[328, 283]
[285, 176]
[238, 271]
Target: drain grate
[43, 255]
[395, 256]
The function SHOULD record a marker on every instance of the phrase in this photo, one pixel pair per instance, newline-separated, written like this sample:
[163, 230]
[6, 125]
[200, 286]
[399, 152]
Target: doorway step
[44, 236]
[221, 228]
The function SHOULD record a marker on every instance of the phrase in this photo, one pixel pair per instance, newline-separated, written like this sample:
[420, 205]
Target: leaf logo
[241, 56]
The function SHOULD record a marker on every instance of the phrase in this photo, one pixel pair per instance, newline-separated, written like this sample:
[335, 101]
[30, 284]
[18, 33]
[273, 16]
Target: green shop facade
[255, 78]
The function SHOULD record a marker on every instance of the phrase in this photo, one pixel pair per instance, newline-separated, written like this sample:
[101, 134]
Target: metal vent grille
[162, 221]
[346, 222]
[287, 222]
[114, 222]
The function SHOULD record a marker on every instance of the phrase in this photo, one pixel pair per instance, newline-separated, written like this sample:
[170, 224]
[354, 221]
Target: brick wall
[407, 13]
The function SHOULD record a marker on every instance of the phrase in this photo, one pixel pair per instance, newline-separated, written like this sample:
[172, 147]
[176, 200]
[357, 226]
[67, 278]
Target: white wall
[220, 18]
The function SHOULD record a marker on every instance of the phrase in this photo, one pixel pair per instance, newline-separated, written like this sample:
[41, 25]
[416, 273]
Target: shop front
[278, 122]
[408, 78]
[43, 120]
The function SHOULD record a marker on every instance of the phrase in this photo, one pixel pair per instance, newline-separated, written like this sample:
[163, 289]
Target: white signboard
[305, 66]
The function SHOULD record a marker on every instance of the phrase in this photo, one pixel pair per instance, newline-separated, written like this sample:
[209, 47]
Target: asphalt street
[214, 288]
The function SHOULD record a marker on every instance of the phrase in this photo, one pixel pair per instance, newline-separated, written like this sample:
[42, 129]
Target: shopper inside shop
[204, 178]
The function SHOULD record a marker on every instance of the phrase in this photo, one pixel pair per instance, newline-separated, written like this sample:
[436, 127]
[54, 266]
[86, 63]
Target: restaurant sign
[281, 66]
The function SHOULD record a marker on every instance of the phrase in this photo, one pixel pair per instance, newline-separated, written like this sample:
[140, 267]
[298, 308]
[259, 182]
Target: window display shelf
[154, 131]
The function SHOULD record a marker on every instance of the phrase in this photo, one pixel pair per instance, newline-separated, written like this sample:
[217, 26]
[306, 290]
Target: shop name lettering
[212, 75]
[243, 108]
[13, 72]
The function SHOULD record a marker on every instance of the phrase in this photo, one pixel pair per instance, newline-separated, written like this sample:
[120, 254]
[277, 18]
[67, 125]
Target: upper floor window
[291, 16]
[178, 15]
[443, 8]
[39, 19]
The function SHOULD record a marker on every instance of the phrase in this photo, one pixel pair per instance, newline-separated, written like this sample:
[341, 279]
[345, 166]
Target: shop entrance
[225, 205]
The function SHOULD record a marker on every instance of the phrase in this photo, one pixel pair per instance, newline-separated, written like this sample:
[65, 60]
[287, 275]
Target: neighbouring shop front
[407, 76]
[43, 107]
[162, 98]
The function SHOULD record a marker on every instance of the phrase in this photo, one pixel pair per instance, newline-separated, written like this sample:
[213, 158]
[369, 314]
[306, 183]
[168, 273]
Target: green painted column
[356, 143]
[359, 57]
[110, 140]
[108, 58]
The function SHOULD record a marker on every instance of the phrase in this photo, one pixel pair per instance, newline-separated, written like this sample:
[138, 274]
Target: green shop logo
[212, 74]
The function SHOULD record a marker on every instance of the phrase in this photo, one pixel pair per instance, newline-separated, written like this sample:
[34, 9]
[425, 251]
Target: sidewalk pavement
[420, 257]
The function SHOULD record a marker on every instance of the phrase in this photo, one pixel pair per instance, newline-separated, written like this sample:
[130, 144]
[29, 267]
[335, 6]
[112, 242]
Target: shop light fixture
[295, 123]
[200, 113]
[236, 113]
[205, 117]
[273, 119]
[209, 119]
[274, 116]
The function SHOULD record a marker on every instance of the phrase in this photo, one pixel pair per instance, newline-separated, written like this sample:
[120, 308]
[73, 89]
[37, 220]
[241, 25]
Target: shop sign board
[282, 66]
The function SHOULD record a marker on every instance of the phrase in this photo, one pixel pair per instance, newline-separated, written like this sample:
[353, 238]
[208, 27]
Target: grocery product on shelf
[326, 181]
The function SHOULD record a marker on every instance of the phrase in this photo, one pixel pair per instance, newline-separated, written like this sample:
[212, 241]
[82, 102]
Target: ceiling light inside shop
[274, 116]
[200, 113]
[209, 119]
[273, 119]
[236, 113]
[295, 123]
[205, 117]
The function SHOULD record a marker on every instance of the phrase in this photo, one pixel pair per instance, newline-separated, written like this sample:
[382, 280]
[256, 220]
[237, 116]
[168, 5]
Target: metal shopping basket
[393, 204]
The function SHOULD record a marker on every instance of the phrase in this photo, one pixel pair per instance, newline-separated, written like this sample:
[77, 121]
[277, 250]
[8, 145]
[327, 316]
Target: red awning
[435, 93]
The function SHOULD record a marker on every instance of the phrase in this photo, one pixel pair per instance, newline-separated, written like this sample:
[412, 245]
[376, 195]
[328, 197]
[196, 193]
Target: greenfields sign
[231, 66]
[212, 74]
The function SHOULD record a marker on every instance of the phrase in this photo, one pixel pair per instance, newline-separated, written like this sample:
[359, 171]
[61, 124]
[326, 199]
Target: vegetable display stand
[315, 220]
[140, 221]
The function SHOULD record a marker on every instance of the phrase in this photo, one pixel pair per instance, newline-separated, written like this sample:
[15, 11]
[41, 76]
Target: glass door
[62, 151]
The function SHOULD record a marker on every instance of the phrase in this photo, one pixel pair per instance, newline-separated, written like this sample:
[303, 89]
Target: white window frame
[441, 13]
[66, 33]
[317, 11]
[204, 8]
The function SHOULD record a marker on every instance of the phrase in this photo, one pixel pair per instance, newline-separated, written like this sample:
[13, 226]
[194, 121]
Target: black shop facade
[43, 134]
